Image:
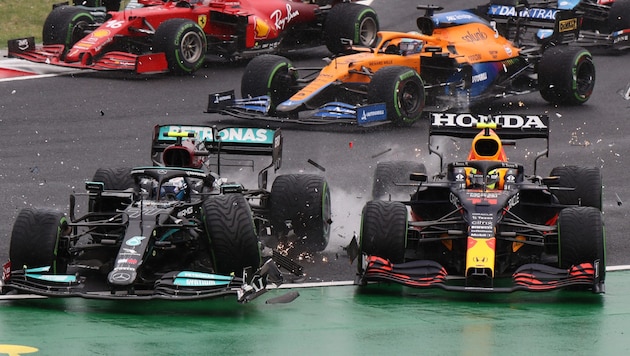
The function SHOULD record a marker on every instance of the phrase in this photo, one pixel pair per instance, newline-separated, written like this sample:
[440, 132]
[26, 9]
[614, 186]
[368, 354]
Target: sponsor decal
[202, 133]
[100, 33]
[568, 25]
[261, 29]
[135, 241]
[481, 77]
[280, 20]
[219, 98]
[6, 271]
[22, 44]
[510, 11]
[202, 20]
[371, 113]
[129, 251]
[471, 120]
[121, 277]
[475, 36]
[131, 261]
[246, 135]
[185, 212]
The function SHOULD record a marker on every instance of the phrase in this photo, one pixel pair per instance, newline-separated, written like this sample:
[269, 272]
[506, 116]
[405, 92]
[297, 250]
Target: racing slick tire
[183, 42]
[619, 16]
[113, 179]
[566, 75]
[303, 199]
[581, 238]
[586, 184]
[35, 240]
[355, 22]
[232, 234]
[390, 172]
[402, 91]
[66, 25]
[383, 230]
[269, 75]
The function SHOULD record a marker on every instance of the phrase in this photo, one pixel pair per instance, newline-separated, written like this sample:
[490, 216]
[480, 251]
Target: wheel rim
[326, 214]
[191, 47]
[585, 78]
[368, 29]
[410, 98]
[78, 32]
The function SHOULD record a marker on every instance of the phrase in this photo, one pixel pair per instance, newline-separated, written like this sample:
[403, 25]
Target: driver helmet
[410, 46]
[174, 189]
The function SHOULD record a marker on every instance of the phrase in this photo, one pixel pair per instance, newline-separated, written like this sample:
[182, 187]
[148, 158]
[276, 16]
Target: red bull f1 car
[458, 59]
[174, 230]
[605, 25]
[483, 224]
[151, 36]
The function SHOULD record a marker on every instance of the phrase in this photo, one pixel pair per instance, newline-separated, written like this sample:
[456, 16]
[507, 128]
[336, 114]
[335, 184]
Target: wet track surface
[56, 131]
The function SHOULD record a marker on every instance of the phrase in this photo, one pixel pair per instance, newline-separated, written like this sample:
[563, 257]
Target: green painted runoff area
[337, 320]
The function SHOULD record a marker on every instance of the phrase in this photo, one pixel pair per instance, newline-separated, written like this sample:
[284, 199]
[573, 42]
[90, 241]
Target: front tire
[232, 234]
[269, 75]
[35, 240]
[402, 91]
[390, 172]
[384, 230]
[112, 179]
[66, 25]
[581, 238]
[356, 22]
[586, 184]
[566, 75]
[304, 200]
[184, 44]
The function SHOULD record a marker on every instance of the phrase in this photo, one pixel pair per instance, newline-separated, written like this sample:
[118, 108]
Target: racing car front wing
[25, 48]
[176, 285]
[259, 108]
[529, 277]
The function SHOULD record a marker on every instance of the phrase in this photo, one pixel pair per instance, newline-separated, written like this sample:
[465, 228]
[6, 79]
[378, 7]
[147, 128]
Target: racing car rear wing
[559, 25]
[508, 126]
[212, 141]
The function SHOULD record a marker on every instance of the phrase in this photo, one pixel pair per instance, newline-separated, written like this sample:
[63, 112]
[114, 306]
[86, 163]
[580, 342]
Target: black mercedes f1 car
[174, 230]
[482, 224]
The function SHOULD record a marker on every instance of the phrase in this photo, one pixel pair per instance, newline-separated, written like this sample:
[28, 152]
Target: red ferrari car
[158, 36]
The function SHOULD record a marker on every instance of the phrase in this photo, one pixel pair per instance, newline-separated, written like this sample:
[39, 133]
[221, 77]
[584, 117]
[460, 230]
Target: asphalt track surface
[55, 131]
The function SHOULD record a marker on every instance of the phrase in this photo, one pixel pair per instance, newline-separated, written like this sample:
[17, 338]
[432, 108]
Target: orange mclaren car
[450, 60]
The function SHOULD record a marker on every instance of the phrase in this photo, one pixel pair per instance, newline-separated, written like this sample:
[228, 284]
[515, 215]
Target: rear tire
[566, 75]
[402, 91]
[183, 42]
[232, 234]
[383, 230]
[112, 179]
[619, 16]
[390, 172]
[35, 240]
[269, 75]
[304, 200]
[587, 182]
[356, 22]
[581, 238]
